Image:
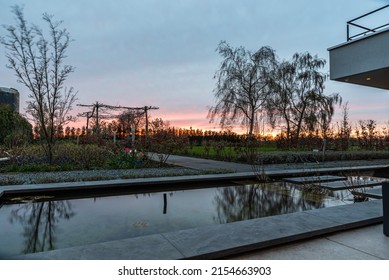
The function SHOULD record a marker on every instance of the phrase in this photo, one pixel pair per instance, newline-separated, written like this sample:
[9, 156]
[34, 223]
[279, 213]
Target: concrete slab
[357, 214]
[151, 247]
[375, 193]
[314, 179]
[128, 184]
[349, 184]
[369, 240]
[326, 248]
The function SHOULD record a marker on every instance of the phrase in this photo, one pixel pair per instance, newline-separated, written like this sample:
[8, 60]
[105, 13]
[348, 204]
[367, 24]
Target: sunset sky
[162, 53]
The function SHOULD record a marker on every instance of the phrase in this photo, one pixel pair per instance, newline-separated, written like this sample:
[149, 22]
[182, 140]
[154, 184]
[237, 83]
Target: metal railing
[366, 29]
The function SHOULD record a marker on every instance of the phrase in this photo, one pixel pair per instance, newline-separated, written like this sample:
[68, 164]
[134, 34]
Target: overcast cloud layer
[162, 53]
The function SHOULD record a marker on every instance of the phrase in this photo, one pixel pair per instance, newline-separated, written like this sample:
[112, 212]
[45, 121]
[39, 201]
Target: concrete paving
[329, 233]
[371, 192]
[201, 164]
[366, 243]
[346, 185]
[313, 179]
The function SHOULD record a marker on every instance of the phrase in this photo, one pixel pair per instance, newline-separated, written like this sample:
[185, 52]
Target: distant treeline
[366, 136]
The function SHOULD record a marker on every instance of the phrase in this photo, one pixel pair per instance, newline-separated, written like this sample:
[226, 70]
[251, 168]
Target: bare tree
[38, 63]
[299, 103]
[243, 85]
[131, 119]
[345, 129]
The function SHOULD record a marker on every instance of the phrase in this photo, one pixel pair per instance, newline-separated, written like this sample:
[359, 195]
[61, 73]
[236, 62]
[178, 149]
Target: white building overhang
[363, 61]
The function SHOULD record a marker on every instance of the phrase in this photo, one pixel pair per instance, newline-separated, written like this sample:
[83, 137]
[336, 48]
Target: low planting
[225, 150]
[70, 156]
[94, 152]
[127, 158]
[255, 151]
[305, 157]
[98, 152]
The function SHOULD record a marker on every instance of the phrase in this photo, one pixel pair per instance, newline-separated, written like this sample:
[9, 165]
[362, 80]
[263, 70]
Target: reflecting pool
[31, 225]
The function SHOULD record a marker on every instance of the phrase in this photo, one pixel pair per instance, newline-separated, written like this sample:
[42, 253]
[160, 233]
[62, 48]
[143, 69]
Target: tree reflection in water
[39, 221]
[259, 200]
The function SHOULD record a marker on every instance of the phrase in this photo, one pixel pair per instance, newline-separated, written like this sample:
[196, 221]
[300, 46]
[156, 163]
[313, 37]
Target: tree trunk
[252, 123]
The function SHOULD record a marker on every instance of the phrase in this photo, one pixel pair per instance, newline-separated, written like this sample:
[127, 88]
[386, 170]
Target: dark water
[40, 226]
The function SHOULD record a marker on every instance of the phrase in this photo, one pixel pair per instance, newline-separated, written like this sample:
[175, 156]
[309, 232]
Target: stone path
[313, 179]
[349, 184]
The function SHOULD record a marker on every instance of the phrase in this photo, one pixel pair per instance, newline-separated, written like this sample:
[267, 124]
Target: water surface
[34, 226]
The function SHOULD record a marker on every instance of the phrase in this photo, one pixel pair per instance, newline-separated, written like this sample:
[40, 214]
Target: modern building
[11, 97]
[364, 58]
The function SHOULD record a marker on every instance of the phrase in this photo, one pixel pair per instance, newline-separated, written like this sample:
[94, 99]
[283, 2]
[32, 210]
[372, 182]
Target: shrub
[66, 156]
[163, 143]
[86, 156]
[28, 159]
[126, 159]
[31, 154]
[15, 129]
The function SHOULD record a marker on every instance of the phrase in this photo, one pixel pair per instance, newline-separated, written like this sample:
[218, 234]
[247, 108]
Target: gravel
[95, 175]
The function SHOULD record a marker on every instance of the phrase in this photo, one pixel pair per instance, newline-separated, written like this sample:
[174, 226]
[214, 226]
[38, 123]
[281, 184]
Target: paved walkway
[201, 164]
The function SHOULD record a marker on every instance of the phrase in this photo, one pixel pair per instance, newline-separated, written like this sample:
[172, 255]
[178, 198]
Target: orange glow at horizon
[185, 121]
[198, 120]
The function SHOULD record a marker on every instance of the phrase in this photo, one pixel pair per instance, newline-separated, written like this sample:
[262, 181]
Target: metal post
[147, 124]
[164, 203]
[97, 118]
[87, 123]
[133, 136]
[385, 203]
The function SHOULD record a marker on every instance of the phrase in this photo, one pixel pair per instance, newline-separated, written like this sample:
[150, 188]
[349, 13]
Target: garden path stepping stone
[314, 179]
[349, 184]
[371, 193]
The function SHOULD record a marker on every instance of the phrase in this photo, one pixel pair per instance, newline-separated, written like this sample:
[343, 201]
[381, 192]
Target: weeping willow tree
[243, 86]
[299, 104]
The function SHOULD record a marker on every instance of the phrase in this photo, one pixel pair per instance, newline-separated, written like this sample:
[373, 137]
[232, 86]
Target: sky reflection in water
[41, 226]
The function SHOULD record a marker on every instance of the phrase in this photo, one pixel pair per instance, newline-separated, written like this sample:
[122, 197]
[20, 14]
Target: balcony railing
[366, 30]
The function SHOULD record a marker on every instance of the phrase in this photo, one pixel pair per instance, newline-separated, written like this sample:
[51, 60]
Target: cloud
[162, 53]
